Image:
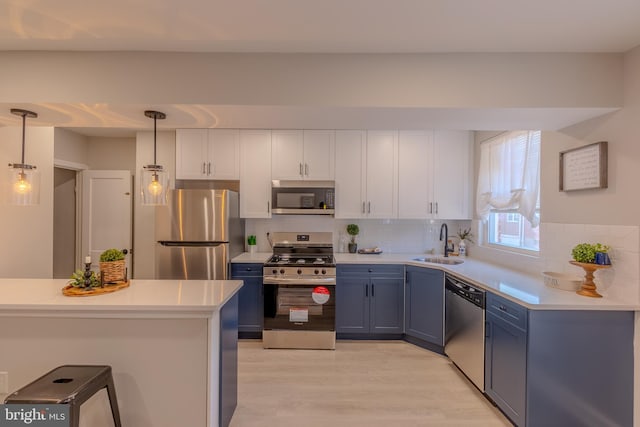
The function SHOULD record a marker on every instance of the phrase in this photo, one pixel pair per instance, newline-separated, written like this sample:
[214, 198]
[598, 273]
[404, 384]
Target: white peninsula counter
[172, 346]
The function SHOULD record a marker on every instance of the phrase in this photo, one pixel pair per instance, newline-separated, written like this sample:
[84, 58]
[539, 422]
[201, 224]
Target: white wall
[111, 154]
[27, 231]
[70, 146]
[144, 241]
[511, 80]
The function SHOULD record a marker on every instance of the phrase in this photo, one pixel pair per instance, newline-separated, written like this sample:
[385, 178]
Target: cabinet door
[250, 305]
[382, 174]
[386, 305]
[191, 153]
[287, 154]
[350, 173]
[506, 367]
[452, 171]
[352, 305]
[424, 305]
[224, 154]
[415, 169]
[255, 174]
[319, 154]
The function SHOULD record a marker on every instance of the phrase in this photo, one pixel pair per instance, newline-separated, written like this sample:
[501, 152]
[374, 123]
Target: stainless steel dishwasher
[464, 328]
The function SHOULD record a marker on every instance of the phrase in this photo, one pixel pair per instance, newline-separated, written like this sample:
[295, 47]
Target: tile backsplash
[392, 236]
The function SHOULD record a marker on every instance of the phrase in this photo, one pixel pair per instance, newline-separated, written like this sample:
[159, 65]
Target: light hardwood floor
[361, 383]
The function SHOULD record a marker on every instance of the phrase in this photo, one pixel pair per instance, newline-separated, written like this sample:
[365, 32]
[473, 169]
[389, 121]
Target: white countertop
[143, 298]
[527, 290]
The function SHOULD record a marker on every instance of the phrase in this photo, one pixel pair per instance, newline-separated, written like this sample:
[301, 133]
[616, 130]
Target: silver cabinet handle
[268, 207]
[430, 207]
[209, 168]
[204, 168]
[300, 165]
[363, 207]
[369, 207]
[436, 207]
[306, 169]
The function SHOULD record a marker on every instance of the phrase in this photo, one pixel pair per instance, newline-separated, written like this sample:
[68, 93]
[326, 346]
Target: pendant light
[154, 181]
[24, 179]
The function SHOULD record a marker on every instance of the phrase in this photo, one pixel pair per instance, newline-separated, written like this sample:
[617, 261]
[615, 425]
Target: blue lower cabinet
[369, 300]
[250, 299]
[559, 367]
[424, 306]
[228, 392]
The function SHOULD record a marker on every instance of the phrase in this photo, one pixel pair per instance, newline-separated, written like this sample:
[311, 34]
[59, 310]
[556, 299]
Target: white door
[191, 153]
[350, 173]
[286, 154]
[382, 174]
[415, 169]
[255, 174]
[452, 174]
[224, 154]
[106, 214]
[319, 154]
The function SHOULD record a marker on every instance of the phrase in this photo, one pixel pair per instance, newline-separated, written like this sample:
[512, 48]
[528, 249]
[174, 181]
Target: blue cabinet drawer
[371, 270]
[246, 270]
[507, 310]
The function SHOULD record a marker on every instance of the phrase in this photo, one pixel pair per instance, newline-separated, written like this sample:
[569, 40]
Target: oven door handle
[298, 281]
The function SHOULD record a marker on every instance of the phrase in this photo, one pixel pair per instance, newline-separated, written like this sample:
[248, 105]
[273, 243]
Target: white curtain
[509, 177]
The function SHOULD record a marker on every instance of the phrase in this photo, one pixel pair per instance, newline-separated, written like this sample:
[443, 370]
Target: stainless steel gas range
[299, 292]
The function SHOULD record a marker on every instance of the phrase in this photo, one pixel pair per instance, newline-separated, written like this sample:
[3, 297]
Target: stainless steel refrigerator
[198, 232]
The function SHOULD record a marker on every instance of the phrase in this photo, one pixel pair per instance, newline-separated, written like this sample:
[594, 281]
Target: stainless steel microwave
[303, 197]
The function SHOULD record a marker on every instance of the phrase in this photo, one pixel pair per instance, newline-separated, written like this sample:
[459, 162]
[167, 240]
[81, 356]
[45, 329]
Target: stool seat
[70, 384]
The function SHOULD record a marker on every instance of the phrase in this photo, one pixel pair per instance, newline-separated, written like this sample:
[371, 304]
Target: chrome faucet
[446, 238]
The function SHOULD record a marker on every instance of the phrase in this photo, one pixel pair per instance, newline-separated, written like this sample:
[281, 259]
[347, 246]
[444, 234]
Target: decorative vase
[353, 248]
[462, 248]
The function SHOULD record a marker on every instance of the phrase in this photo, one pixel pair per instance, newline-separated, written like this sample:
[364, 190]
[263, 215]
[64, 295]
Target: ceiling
[338, 26]
[327, 26]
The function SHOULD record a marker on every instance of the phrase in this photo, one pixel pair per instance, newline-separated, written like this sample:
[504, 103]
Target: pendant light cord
[24, 119]
[155, 120]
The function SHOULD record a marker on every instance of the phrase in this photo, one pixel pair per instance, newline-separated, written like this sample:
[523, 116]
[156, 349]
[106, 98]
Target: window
[508, 197]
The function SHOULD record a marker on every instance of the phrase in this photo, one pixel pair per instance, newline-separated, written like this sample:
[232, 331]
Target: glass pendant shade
[154, 185]
[23, 183]
[154, 181]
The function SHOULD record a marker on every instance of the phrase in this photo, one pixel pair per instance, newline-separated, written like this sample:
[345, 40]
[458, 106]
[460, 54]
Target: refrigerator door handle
[170, 243]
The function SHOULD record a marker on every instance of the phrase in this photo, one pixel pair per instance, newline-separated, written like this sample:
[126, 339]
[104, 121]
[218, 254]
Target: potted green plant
[602, 254]
[584, 252]
[353, 230]
[77, 280]
[112, 266]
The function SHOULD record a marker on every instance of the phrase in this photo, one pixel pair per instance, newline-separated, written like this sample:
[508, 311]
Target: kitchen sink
[440, 260]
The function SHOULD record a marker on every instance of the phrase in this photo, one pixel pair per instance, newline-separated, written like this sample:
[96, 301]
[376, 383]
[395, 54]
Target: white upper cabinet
[415, 172]
[452, 172]
[366, 174]
[350, 173]
[191, 153]
[207, 154]
[255, 174]
[434, 174]
[298, 155]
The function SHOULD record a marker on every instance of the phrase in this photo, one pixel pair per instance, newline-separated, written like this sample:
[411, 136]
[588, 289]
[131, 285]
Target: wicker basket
[113, 271]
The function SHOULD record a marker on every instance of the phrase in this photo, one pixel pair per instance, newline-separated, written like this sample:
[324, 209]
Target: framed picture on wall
[584, 168]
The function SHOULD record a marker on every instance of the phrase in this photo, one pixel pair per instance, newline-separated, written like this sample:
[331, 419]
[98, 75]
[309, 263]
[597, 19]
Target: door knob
[125, 251]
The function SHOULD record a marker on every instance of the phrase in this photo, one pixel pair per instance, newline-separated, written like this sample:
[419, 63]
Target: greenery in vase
[111, 255]
[465, 234]
[598, 247]
[353, 230]
[77, 279]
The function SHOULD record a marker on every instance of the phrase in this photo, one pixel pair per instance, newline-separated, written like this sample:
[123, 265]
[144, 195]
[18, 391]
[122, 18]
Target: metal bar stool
[72, 385]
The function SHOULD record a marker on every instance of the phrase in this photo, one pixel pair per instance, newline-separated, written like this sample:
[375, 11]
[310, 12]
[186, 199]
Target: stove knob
[316, 272]
[324, 271]
[299, 271]
[282, 271]
[274, 271]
